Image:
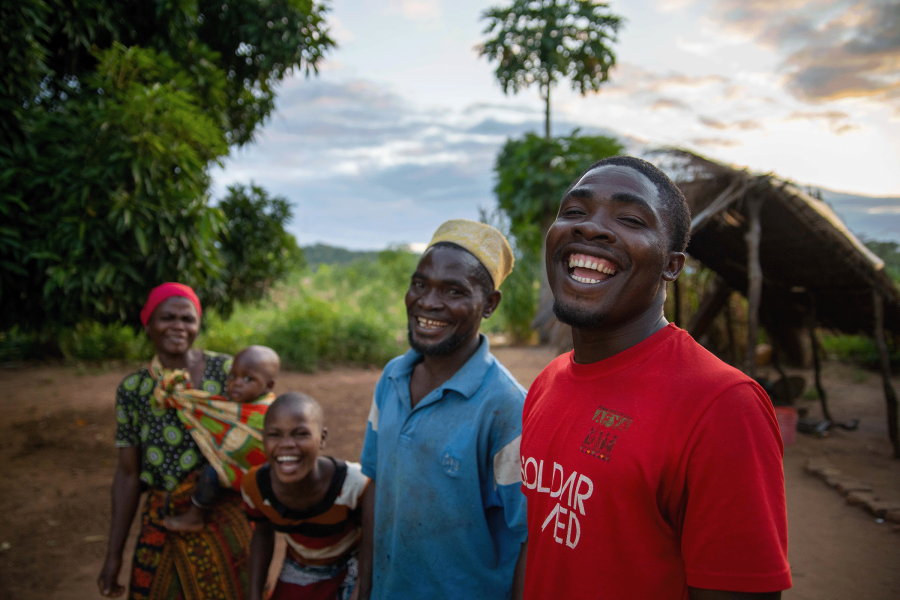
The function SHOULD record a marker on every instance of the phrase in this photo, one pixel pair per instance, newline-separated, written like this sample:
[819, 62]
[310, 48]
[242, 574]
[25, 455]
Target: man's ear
[674, 265]
[324, 435]
[490, 303]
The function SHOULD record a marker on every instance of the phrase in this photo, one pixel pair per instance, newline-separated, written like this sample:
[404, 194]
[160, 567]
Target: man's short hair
[482, 277]
[676, 212]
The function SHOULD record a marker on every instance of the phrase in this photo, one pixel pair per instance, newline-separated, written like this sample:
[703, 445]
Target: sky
[400, 129]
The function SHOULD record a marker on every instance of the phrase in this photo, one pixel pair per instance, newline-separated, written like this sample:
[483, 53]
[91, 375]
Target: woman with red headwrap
[158, 455]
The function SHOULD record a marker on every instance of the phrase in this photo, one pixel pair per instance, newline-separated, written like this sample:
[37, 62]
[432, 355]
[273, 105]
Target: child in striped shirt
[314, 500]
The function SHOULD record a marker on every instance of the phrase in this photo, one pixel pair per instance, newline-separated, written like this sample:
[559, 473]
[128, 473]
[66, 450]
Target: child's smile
[292, 441]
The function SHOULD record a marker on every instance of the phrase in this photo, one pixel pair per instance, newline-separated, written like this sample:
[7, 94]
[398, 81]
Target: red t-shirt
[653, 470]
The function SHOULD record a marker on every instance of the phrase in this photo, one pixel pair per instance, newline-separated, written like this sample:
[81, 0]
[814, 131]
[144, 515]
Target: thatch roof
[807, 254]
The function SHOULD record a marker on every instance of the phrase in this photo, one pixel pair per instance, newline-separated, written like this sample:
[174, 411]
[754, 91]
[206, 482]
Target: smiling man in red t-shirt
[652, 469]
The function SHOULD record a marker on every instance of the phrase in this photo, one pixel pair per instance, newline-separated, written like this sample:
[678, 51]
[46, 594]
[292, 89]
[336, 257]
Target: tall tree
[532, 174]
[110, 121]
[541, 41]
[256, 250]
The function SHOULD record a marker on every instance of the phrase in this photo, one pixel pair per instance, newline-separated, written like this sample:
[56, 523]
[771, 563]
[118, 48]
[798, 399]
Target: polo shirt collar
[466, 381]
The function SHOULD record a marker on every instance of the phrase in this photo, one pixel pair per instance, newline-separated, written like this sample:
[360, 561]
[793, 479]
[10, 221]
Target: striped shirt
[321, 534]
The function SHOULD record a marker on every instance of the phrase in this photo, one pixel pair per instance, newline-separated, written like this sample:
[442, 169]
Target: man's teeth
[588, 262]
[585, 279]
[431, 324]
[282, 459]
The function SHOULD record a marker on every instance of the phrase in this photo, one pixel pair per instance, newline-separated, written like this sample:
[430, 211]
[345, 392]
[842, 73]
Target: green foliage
[860, 350]
[92, 341]
[534, 172]
[111, 116]
[520, 299]
[16, 345]
[235, 51]
[350, 313]
[532, 175]
[23, 33]
[315, 332]
[256, 249]
[541, 41]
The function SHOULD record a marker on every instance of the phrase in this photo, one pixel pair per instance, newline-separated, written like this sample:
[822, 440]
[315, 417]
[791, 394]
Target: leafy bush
[315, 333]
[93, 341]
[85, 341]
[351, 313]
[16, 345]
[860, 350]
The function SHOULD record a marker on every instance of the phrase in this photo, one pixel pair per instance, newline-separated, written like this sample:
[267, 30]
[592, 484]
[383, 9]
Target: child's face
[246, 383]
[292, 442]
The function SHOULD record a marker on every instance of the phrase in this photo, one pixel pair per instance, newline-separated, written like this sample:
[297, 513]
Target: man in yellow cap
[442, 441]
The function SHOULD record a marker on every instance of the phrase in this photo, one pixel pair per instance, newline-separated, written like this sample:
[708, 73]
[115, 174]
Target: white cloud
[417, 10]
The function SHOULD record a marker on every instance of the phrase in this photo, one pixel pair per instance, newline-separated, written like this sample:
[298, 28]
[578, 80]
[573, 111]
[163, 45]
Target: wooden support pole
[710, 305]
[677, 294]
[889, 395]
[817, 370]
[754, 284]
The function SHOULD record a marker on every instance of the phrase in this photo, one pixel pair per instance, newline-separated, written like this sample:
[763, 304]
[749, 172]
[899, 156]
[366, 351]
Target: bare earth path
[57, 460]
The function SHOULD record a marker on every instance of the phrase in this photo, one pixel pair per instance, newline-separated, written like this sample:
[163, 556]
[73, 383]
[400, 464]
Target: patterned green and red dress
[212, 563]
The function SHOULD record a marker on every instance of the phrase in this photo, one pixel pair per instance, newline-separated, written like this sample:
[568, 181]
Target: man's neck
[436, 369]
[600, 343]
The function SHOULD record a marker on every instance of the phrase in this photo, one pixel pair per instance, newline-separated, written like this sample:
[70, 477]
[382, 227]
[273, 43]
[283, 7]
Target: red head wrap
[164, 291]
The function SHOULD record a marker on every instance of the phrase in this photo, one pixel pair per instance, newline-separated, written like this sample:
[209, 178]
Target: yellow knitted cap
[485, 242]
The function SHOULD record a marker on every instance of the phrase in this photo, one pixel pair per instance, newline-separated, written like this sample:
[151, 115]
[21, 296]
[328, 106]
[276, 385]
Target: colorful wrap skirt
[308, 582]
[211, 564]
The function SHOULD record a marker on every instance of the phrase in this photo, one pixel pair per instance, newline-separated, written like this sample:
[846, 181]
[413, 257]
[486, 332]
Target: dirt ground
[57, 462]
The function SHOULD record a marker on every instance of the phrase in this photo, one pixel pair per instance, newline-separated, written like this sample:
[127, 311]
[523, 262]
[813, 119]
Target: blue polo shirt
[450, 515]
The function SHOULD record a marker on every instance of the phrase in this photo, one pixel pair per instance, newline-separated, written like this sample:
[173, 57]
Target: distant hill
[322, 254]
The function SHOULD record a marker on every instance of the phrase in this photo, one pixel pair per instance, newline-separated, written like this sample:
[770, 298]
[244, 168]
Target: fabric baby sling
[228, 434]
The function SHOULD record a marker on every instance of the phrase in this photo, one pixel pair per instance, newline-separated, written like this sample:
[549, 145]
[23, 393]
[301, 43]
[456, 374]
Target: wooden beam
[889, 395]
[734, 191]
[754, 284]
[710, 305]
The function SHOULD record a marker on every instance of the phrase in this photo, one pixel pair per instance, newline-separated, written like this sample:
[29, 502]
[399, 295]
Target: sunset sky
[400, 129]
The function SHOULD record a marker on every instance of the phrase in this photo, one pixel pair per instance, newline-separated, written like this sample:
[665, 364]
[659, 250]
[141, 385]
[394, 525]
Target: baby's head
[253, 373]
[293, 434]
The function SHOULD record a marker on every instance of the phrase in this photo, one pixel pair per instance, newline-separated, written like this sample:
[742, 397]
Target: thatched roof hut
[787, 252]
[808, 257]
[790, 255]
